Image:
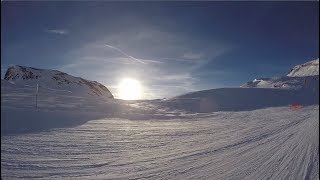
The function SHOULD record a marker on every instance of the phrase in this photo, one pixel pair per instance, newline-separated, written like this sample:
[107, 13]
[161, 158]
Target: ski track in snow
[271, 143]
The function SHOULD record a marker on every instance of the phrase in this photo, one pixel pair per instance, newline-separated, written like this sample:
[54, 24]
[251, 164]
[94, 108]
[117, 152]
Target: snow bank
[240, 99]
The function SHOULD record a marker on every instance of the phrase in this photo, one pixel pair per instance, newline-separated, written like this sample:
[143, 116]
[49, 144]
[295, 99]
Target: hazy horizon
[171, 48]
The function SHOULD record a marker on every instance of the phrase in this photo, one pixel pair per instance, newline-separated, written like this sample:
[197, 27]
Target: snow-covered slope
[310, 68]
[55, 80]
[259, 93]
[240, 99]
[273, 143]
[86, 137]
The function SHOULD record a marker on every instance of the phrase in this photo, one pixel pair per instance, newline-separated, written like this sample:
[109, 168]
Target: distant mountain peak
[295, 79]
[310, 68]
[55, 79]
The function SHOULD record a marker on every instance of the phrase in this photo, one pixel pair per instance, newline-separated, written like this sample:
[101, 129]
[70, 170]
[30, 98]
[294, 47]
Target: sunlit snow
[228, 133]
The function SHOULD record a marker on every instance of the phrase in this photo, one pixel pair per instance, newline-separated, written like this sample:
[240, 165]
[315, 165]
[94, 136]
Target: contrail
[119, 50]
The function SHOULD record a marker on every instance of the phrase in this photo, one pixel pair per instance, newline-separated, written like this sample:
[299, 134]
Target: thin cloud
[131, 57]
[192, 55]
[119, 50]
[57, 31]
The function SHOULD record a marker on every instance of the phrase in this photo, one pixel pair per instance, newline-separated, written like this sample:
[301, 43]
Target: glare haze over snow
[249, 132]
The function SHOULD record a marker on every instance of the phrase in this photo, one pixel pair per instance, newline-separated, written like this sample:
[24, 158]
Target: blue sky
[170, 47]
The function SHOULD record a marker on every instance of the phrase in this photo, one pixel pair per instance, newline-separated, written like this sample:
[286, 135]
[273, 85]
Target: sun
[129, 89]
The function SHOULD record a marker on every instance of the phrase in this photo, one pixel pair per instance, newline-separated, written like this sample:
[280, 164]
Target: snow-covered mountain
[256, 94]
[310, 68]
[284, 82]
[55, 81]
[303, 75]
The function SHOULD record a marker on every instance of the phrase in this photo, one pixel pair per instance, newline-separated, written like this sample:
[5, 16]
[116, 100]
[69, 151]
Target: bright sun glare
[129, 89]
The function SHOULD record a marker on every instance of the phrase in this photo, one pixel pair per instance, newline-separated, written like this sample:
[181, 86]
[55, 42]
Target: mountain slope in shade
[54, 80]
[310, 68]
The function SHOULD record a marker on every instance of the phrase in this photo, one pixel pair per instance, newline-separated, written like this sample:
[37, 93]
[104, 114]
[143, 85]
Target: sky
[171, 48]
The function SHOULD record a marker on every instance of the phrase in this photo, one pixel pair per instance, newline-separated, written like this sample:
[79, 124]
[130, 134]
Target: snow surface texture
[272, 143]
[226, 133]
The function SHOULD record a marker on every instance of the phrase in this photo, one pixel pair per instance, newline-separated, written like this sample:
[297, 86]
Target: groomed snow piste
[228, 133]
[271, 143]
